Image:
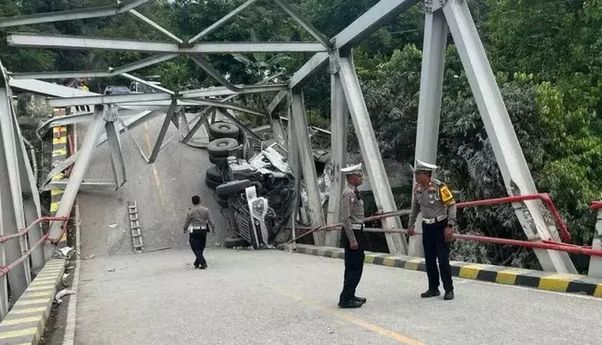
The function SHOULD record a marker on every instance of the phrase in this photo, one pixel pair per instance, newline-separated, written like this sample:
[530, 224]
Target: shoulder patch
[446, 195]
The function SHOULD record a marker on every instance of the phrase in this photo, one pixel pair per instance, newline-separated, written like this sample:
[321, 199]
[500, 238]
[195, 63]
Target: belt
[434, 220]
[357, 227]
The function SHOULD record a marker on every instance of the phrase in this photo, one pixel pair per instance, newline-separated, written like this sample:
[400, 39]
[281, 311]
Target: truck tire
[233, 187]
[214, 174]
[224, 130]
[211, 184]
[218, 161]
[222, 202]
[222, 147]
[235, 241]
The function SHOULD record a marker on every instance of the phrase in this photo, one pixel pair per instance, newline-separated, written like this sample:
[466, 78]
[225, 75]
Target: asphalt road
[272, 297]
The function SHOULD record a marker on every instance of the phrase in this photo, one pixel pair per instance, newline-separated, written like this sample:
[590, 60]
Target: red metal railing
[544, 244]
[565, 235]
[4, 269]
[550, 245]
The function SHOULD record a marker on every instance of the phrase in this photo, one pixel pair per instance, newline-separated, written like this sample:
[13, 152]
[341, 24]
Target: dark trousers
[354, 265]
[437, 249]
[197, 242]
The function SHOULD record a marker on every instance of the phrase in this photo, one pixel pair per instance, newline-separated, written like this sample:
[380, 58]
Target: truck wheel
[222, 147]
[218, 161]
[214, 174]
[233, 187]
[235, 241]
[211, 184]
[224, 130]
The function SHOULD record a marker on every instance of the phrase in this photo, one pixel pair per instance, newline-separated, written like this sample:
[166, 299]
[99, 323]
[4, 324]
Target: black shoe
[203, 266]
[449, 295]
[430, 293]
[362, 300]
[196, 266]
[350, 304]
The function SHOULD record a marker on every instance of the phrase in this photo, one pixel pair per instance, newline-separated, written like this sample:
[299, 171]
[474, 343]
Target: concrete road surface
[271, 297]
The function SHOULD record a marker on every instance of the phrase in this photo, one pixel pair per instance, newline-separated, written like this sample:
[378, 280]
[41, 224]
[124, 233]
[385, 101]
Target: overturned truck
[254, 188]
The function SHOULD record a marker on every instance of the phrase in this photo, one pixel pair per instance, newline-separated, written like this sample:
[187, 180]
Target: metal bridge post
[31, 201]
[595, 263]
[13, 216]
[168, 116]
[115, 146]
[85, 154]
[506, 147]
[429, 106]
[299, 126]
[379, 180]
[339, 115]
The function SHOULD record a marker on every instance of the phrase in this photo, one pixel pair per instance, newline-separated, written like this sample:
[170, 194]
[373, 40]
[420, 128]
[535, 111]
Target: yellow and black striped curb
[25, 322]
[59, 154]
[561, 282]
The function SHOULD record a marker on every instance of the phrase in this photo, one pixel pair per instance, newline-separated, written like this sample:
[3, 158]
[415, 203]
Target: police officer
[198, 223]
[352, 216]
[436, 202]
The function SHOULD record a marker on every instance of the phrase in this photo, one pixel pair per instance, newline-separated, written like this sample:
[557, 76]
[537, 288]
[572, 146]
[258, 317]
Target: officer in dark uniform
[198, 223]
[352, 217]
[436, 202]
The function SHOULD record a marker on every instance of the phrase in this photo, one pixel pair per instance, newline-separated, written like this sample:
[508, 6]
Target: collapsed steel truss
[441, 18]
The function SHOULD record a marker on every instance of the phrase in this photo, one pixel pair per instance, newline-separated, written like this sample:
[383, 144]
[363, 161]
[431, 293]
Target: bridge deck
[272, 297]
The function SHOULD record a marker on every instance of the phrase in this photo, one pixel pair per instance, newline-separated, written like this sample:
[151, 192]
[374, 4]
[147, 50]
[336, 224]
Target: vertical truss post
[429, 106]
[3, 278]
[294, 161]
[84, 157]
[308, 166]
[379, 180]
[595, 263]
[31, 200]
[339, 114]
[164, 127]
[506, 147]
[277, 130]
[117, 162]
[13, 217]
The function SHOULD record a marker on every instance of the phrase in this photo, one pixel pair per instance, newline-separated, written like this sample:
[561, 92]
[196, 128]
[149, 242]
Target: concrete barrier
[25, 322]
[550, 281]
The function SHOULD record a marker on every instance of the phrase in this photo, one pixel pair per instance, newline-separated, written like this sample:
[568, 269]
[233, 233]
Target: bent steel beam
[115, 147]
[228, 113]
[168, 118]
[309, 27]
[77, 42]
[359, 29]
[221, 21]
[308, 166]
[206, 66]
[155, 25]
[133, 99]
[110, 72]
[507, 150]
[371, 153]
[13, 217]
[84, 13]
[75, 179]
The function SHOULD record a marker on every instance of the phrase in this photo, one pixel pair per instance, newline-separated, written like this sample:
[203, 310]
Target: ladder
[135, 227]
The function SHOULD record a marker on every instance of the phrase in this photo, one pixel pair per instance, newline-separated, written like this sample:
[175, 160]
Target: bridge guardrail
[543, 244]
[4, 269]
